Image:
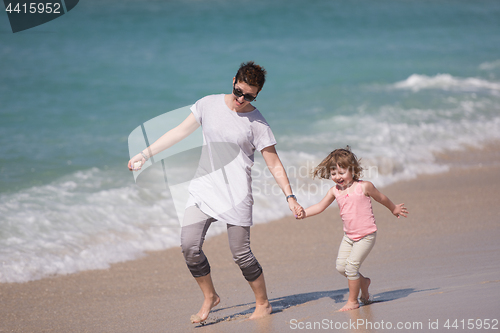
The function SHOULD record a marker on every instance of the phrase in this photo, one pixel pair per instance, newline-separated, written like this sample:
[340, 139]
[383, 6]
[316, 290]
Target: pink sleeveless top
[356, 213]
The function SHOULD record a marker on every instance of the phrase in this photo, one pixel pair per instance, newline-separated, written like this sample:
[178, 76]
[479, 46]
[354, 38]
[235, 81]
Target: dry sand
[441, 263]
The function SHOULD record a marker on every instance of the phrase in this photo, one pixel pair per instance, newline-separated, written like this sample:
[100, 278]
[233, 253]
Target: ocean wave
[396, 143]
[83, 221]
[447, 82]
[486, 66]
[80, 222]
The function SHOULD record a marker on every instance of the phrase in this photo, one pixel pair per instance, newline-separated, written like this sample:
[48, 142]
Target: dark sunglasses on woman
[238, 93]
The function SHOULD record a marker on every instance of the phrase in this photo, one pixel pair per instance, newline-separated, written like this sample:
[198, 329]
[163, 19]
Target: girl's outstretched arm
[396, 210]
[320, 206]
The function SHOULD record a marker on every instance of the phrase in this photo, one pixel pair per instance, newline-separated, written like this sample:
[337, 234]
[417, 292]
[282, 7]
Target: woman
[232, 130]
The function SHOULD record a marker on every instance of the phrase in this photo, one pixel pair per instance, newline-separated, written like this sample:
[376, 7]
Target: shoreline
[76, 264]
[436, 264]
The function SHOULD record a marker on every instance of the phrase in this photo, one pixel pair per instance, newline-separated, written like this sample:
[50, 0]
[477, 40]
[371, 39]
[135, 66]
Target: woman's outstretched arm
[167, 140]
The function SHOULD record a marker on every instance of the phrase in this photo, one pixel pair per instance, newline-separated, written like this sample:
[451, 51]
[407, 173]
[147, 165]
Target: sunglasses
[238, 93]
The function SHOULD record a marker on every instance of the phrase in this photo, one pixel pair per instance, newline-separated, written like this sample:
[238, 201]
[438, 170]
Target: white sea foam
[397, 143]
[487, 66]
[418, 82]
[82, 222]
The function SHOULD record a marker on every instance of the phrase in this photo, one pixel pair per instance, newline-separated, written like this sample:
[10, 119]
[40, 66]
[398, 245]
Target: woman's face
[239, 103]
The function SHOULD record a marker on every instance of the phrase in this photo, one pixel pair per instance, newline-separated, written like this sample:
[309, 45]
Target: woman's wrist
[146, 157]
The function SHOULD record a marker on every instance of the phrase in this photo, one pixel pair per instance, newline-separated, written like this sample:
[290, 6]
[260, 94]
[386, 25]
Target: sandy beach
[439, 266]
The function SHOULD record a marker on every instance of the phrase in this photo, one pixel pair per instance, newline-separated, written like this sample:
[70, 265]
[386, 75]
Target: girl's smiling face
[342, 177]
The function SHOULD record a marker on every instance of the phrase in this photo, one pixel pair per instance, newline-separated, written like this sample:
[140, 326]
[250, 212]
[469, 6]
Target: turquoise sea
[397, 80]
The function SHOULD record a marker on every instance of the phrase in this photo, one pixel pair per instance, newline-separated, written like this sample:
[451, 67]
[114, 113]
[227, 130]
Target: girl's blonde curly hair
[343, 158]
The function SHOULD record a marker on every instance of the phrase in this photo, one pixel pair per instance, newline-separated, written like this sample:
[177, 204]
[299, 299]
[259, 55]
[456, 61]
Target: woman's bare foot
[350, 306]
[208, 304]
[262, 306]
[262, 311]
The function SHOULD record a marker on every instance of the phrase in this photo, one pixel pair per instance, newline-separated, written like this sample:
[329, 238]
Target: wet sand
[441, 263]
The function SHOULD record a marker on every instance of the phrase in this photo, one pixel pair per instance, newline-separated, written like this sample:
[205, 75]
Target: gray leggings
[195, 227]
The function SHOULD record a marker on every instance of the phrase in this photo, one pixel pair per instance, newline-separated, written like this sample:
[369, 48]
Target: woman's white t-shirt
[222, 185]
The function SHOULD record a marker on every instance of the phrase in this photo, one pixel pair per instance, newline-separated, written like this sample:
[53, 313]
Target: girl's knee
[341, 268]
[352, 270]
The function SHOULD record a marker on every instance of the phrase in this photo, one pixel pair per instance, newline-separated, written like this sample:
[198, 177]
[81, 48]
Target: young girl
[353, 196]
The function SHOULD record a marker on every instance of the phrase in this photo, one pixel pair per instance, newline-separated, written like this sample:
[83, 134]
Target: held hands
[400, 210]
[296, 208]
[300, 213]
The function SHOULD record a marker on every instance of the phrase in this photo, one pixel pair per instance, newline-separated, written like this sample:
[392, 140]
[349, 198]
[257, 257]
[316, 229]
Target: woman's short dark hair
[252, 74]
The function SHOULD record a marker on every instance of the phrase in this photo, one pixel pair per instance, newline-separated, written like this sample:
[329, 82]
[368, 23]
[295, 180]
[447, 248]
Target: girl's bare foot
[262, 311]
[208, 304]
[350, 306]
[365, 295]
